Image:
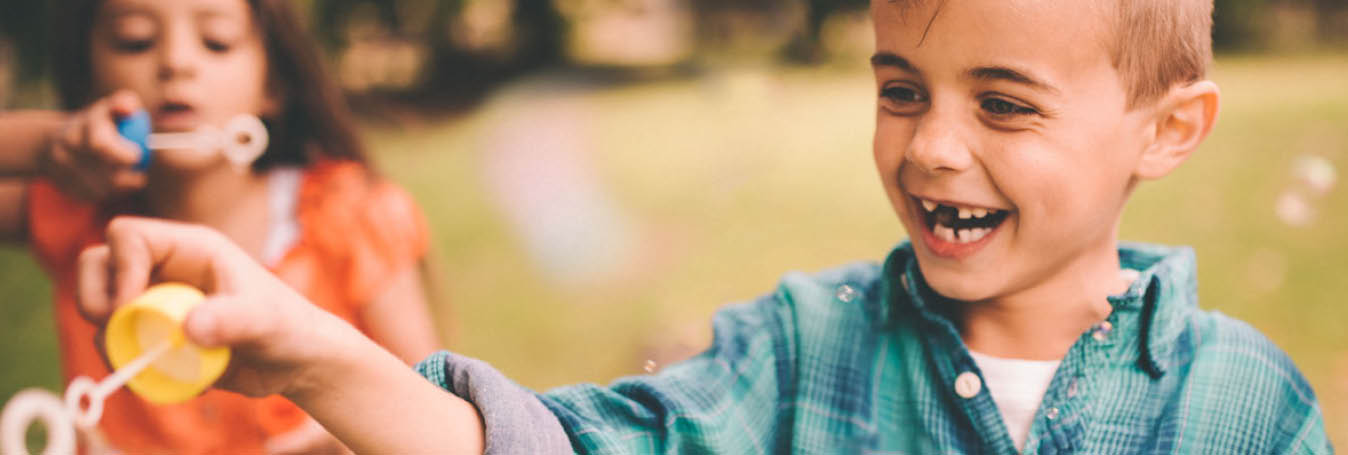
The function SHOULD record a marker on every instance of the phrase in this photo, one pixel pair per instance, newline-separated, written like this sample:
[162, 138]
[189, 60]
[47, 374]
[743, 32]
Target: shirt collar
[1164, 292]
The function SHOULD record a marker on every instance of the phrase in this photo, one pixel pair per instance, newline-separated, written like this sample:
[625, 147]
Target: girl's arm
[281, 343]
[81, 152]
[26, 135]
[399, 318]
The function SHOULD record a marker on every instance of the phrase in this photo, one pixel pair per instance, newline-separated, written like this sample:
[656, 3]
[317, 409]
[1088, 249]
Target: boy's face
[1007, 118]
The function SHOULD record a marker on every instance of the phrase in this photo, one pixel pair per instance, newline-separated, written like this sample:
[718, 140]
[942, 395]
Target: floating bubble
[1293, 209]
[1315, 172]
[650, 366]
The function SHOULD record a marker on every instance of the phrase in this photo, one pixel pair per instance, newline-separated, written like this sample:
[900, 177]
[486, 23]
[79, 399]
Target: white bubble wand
[143, 336]
[242, 140]
[62, 417]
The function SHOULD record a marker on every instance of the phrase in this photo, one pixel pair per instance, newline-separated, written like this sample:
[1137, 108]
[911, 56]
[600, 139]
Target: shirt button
[846, 293]
[968, 385]
[1051, 413]
[1102, 330]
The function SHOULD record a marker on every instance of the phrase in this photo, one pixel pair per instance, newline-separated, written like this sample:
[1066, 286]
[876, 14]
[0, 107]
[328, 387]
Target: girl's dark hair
[314, 120]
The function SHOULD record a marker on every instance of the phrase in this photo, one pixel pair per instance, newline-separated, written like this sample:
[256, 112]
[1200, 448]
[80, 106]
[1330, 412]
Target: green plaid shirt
[866, 359]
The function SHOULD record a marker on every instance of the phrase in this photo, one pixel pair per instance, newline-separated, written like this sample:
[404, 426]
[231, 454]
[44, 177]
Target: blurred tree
[332, 17]
[455, 71]
[742, 29]
[807, 47]
[1235, 24]
[1332, 20]
[24, 23]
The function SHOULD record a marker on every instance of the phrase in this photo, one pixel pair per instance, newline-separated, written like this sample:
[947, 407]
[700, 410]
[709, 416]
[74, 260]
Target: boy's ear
[1184, 118]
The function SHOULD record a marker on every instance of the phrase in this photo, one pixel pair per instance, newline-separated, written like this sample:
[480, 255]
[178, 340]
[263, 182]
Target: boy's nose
[938, 146]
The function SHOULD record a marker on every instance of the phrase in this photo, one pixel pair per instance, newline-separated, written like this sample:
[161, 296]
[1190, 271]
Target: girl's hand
[276, 334]
[87, 158]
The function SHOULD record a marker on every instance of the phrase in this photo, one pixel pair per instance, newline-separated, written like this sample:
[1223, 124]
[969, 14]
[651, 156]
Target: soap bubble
[1315, 172]
[1314, 177]
[1293, 209]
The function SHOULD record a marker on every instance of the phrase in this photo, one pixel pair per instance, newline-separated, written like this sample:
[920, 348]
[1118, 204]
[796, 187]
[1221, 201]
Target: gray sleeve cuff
[516, 420]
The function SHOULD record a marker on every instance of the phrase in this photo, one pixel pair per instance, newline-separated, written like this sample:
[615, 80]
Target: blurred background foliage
[443, 54]
[601, 175]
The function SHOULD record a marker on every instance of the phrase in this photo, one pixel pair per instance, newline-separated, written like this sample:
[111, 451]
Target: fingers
[140, 251]
[226, 320]
[92, 290]
[89, 158]
[123, 103]
[172, 251]
[131, 257]
[102, 142]
[127, 180]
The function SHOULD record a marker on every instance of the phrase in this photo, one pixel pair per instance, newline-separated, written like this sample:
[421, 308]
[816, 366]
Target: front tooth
[966, 235]
[945, 233]
[979, 213]
[978, 234]
[965, 214]
[929, 205]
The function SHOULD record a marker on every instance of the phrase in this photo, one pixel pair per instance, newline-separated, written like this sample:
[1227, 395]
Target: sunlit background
[601, 175]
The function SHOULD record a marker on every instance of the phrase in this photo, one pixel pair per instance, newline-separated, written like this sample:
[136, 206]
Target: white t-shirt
[283, 184]
[1017, 386]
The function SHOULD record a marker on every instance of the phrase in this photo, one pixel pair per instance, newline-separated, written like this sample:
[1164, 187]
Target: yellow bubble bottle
[154, 322]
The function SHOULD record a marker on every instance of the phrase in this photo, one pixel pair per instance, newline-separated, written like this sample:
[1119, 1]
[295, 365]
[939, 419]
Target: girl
[308, 208]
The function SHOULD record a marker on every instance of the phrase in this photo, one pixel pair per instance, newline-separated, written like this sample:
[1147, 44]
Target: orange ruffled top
[355, 234]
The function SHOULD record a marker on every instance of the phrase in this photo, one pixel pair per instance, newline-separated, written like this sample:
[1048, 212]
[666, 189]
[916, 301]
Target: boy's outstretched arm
[281, 343]
[736, 397]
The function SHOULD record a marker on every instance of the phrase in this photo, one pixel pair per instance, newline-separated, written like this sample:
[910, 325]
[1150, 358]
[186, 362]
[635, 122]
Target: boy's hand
[87, 158]
[280, 342]
[274, 332]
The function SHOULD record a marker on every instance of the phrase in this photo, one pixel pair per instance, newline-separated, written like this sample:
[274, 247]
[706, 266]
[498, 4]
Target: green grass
[730, 180]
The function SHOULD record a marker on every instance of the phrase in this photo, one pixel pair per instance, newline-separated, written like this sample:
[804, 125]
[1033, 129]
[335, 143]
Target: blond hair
[1157, 44]
[1153, 44]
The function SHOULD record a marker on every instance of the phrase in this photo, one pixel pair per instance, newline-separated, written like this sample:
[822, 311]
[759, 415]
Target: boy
[1009, 134]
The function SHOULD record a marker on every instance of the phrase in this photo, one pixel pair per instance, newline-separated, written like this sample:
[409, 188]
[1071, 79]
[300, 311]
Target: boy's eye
[902, 94]
[1001, 107]
[902, 99]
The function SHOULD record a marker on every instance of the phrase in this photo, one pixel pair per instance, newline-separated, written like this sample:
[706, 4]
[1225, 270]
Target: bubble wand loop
[96, 393]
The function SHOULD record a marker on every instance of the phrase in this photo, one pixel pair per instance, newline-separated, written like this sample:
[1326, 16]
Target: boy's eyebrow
[883, 58]
[986, 73]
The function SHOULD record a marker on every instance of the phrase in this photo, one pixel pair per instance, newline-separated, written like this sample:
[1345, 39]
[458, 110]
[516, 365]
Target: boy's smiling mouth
[956, 230]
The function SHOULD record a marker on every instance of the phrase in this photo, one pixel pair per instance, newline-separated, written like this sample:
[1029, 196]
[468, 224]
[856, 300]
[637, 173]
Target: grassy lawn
[714, 186]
